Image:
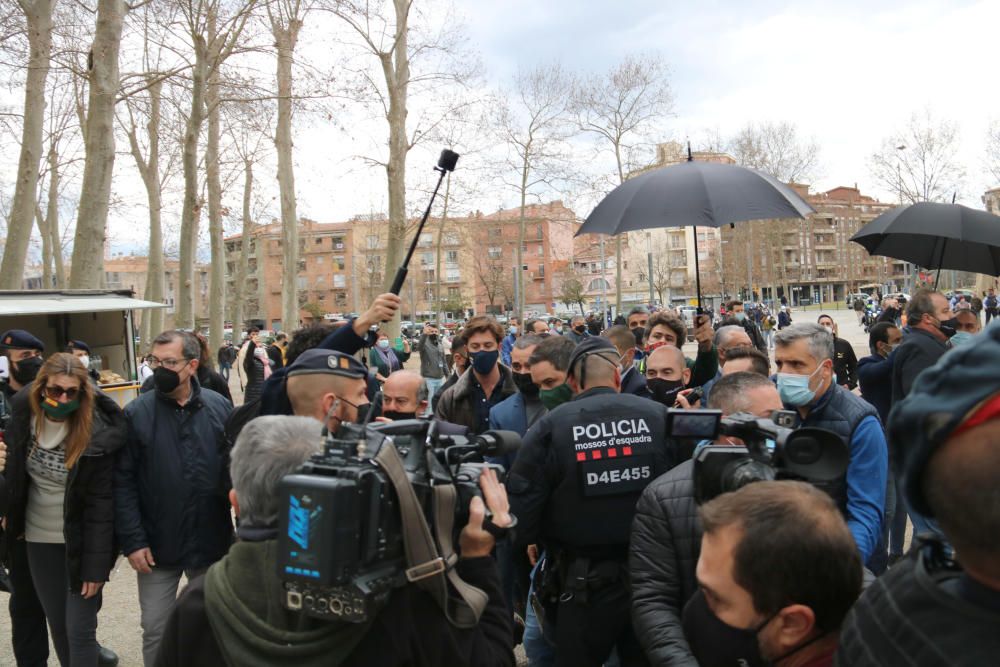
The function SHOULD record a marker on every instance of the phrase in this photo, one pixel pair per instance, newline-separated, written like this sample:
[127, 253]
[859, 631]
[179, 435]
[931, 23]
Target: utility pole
[649, 257]
[604, 281]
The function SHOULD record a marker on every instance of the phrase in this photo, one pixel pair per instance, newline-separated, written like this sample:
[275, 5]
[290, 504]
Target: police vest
[605, 447]
[839, 411]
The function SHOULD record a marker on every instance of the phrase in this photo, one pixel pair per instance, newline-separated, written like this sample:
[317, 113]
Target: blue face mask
[384, 344]
[740, 317]
[794, 389]
[961, 338]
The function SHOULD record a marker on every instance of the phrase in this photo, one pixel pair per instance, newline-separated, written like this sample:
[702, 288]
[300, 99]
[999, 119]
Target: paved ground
[119, 619]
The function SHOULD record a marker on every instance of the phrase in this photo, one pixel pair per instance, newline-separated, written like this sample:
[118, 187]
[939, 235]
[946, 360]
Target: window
[339, 280]
[538, 232]
[598, 284]
[320, 279]
[425, 240]
[452, 257]
[451, 238]
[495, 252]
[426, 258]
[541, 249]
[338, 243]
[321, 296]
[452, 275]
[319, 240]
[339, 261]
[454, 292]
[319, 259]
[302, 282]
[541, 271]
[371, 241]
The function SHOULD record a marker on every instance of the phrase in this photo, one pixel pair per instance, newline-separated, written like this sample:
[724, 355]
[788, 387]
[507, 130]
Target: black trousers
[586, 632]
[29, 633]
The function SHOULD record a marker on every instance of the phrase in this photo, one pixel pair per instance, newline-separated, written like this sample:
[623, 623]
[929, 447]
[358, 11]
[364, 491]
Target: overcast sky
[847, 73]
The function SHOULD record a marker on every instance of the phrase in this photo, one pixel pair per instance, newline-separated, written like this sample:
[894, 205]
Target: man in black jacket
[171, 512]
[624, 341]
[666, 533]
[573, 487]
[276, 350]
[928, 609]
[236, 613]
[845, 361]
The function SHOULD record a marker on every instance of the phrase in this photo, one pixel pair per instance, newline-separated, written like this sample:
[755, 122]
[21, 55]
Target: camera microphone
[498, 443]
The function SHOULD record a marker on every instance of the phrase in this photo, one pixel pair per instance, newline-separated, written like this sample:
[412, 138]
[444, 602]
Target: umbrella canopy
[702, 194]
[936, 236]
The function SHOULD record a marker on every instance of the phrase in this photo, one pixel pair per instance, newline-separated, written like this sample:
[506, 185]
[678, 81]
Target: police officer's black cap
[79, 345]
[589, 346]
[327, 362]
[19, 339]
[961, 384]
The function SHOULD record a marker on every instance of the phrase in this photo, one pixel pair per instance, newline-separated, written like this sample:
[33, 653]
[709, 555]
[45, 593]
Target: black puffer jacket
[663, 553]
[88, 509]
[172, 480]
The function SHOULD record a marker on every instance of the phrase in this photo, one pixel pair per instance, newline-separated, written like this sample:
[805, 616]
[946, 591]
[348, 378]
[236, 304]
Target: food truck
[104, 319]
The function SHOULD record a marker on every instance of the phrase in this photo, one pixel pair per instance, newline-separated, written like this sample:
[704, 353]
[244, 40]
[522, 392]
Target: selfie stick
[446, 163]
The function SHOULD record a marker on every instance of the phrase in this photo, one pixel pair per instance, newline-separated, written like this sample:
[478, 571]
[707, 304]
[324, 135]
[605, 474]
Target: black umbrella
[936, 236]
[698, 194]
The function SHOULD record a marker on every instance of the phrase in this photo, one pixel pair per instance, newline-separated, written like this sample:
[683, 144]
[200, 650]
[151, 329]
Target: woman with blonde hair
[61, 440]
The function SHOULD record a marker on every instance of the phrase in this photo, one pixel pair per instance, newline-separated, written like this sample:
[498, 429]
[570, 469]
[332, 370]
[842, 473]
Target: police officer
[574, 488]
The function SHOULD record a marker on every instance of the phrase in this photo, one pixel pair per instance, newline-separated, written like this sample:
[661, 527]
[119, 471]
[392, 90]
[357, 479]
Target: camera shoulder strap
[427, 567]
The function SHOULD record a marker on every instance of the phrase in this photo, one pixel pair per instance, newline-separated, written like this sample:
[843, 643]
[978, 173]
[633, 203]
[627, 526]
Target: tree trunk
[217, 271]
[38, 16]
[396, 69]
[285, 38]
[43, 232]
[239, 284]
[519, 254]
[190, 214]
[52, 218]
[99, 140]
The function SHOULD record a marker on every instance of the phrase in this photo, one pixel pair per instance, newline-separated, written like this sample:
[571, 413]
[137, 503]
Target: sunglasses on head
[55, 392]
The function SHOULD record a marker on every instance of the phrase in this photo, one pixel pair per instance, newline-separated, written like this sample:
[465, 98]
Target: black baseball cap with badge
[19, 339]
[328, 362]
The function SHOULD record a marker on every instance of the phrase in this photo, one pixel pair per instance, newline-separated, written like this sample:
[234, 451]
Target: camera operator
[573, 488]
[778, 571]
[928, 610]
[234, 614]
[804, 357]
[666, 533]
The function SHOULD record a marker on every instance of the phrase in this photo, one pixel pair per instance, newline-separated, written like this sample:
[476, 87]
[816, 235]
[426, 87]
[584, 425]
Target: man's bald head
[404, 391]
[668, 363]
[308, 393]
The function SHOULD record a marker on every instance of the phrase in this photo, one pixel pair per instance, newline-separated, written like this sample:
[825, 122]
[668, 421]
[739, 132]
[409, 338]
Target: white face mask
[85, 360]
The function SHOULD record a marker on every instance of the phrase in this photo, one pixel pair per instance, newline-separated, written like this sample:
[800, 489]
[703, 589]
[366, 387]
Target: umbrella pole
[944, 242]
[697, 268]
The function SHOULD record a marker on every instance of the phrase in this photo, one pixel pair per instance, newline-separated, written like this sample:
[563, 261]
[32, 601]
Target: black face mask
[395, 414]
[26, 370]
[949, 327]
[433, 338]
[714, 642]
[166, 380]
[525, 385]
[580, 329]
[363, 410]
[639, 333]
[664, 391]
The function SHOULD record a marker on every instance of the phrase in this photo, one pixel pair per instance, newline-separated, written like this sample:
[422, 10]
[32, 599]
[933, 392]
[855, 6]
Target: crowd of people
[600, 549]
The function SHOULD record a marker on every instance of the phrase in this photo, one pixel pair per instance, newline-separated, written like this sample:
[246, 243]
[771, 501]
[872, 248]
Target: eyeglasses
[54, 392]
[172, 364]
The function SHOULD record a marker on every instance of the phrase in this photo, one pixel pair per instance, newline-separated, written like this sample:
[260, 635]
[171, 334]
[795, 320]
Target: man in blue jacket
[804, 358]
[171, 483]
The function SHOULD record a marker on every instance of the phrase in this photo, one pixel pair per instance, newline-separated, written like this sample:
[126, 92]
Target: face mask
[794, 389]
[553, 398]
[56, 410]
[638, 332]
[948, 327]
[513, 330]
[664, 391]
[363, 410]
[85, 360]
[166, 380]
[525, 385]
[383, 344]
[558, 328]
[828, 328]
[740, 317]
[26, 370]
[484, 362]
[714, 642]
[961, 338]
[434, 339]
[395, 415]
[580, 329]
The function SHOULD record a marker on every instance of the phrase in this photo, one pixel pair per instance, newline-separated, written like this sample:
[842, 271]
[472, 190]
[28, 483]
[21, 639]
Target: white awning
[45, 303]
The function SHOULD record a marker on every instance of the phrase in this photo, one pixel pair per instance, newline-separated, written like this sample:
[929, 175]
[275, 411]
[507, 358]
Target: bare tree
[776, 149]
[38, 25]
[99, 138]
[214, 38]
[532, 122]
[919, 162]
[624, 108]
[286, 18]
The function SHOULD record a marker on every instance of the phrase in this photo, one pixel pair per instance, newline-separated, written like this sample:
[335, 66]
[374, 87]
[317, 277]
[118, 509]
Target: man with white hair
[727, 338]
[804, 359]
